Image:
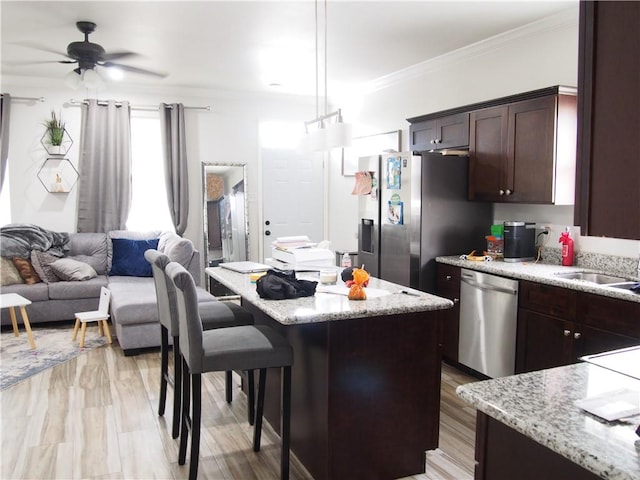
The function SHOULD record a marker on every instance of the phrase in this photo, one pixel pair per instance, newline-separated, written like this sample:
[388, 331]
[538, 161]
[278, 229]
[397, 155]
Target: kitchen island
[528, 426]
[365, 379]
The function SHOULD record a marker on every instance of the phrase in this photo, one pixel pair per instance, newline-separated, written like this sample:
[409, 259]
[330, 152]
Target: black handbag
[283, 284]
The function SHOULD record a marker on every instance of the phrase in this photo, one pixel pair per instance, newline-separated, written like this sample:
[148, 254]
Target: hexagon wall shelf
[61, 149]
[58, 175]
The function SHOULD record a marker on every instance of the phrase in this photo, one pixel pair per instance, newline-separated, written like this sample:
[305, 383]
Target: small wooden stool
[101, 316]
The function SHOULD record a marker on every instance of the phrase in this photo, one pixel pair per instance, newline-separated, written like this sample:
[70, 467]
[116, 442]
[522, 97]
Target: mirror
[225, 213]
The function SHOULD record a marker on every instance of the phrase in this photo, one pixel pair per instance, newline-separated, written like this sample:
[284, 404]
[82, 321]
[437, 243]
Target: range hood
[457, 152]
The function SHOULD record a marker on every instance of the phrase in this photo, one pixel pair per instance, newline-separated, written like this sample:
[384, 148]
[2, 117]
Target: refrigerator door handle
[487, 287]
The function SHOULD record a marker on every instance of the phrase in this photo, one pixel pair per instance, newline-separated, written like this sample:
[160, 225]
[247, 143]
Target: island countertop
[324, 307]
[540, 405]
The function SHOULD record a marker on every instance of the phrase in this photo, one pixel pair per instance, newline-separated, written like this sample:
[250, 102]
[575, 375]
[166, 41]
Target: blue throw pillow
[128, 257]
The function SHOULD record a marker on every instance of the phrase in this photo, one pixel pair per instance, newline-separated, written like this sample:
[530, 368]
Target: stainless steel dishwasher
[488, 315]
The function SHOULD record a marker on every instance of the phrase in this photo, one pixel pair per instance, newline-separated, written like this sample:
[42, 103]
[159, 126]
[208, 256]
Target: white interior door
[292, 195]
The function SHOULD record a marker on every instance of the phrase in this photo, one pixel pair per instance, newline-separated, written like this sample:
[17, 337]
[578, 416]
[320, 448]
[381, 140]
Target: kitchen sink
[599, 278]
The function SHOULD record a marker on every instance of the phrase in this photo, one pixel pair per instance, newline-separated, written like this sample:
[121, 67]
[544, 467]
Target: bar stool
[235, 348]
[101, 316]
[214, 314]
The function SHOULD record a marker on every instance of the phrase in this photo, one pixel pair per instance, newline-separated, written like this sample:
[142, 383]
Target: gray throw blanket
[18, 239]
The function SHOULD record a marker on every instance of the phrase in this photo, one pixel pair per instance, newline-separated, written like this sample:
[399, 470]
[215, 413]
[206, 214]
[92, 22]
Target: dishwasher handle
[488, 287]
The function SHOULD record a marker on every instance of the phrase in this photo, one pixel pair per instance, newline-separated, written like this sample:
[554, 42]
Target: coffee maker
[519, 241]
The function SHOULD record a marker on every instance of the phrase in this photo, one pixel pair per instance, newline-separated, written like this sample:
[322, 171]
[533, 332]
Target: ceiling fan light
[115, 73]
[72, 79]
[91, 79]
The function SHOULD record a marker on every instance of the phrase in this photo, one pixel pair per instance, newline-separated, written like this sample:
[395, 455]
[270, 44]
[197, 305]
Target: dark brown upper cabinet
[524, 152]
[607, 199]
[440, 133]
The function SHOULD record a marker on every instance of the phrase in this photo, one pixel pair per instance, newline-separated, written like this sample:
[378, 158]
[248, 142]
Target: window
[149, 207]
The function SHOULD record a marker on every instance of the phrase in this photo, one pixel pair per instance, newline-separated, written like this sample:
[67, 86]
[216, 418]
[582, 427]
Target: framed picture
[369, 145]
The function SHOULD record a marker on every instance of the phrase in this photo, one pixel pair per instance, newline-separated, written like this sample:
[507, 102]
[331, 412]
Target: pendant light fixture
[327, 130]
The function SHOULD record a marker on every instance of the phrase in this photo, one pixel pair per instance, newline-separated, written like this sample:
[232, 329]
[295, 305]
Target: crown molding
[566, 19]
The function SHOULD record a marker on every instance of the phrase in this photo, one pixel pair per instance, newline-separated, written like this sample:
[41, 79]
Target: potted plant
[55, 131]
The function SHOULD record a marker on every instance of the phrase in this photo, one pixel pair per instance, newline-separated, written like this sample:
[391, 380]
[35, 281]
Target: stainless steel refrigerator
[417, 210]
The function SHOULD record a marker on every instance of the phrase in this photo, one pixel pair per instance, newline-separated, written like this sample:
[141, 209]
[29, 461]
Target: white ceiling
[246, 45]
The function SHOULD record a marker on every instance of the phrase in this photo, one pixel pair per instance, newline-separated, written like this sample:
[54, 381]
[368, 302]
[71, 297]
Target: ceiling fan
[90, 55]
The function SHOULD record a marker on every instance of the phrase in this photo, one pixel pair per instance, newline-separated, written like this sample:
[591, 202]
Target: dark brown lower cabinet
[557, 326]
[505, 454]
[449, 288]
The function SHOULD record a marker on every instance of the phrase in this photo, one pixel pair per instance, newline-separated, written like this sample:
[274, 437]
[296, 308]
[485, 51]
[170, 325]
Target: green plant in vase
[55, 129]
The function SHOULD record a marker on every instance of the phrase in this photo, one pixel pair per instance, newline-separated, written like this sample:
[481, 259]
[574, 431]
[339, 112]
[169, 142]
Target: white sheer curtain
[105, 166]
[174, 148]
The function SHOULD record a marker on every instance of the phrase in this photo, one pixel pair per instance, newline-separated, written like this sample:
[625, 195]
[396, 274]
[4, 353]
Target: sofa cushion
[9, 274]
[72, 270]
[74, 290]
[128, 257]
[41, 262]
[26, 271]
[90, 248]
[128, 234]
[38, 292]
[177, 248]
[133, 300]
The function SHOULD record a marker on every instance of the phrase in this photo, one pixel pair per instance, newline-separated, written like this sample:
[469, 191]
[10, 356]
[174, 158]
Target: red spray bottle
[567, 247]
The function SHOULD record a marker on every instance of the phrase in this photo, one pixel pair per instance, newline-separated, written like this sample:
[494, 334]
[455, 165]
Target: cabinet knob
[577, 335]
[501, 192]
[508, 192]
[432, 142]
[448, 277]
[566, 333]
[438, 140]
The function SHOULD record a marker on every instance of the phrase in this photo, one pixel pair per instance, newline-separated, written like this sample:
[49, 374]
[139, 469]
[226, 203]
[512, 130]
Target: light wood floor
[95, 417]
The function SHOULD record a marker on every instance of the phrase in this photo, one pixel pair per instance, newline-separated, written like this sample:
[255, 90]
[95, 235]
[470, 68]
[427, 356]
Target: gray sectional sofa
[133, 307]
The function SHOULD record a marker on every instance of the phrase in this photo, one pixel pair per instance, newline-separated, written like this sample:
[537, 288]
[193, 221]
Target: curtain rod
[28, 99]
[77, 103]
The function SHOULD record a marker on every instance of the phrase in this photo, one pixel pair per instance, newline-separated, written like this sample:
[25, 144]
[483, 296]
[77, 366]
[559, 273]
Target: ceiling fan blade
[42, 48]
[127, 68]
[37, 62]
[107, 57]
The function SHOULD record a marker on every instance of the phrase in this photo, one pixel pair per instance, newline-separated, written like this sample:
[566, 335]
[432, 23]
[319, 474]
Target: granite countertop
[323, 307]
[543, 273]
[541, 406]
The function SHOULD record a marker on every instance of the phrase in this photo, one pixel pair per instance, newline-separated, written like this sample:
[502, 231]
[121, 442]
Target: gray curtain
[174, 149]
[5, 107]
[105, 166]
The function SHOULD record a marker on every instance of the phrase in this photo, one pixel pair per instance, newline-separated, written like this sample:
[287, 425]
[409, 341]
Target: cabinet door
[607, 193]
[487, 153]
[588, 340]
[530, 151]
[422, 136]
[452, 131]
[449, 287]
[543, 341]
[450, 332]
